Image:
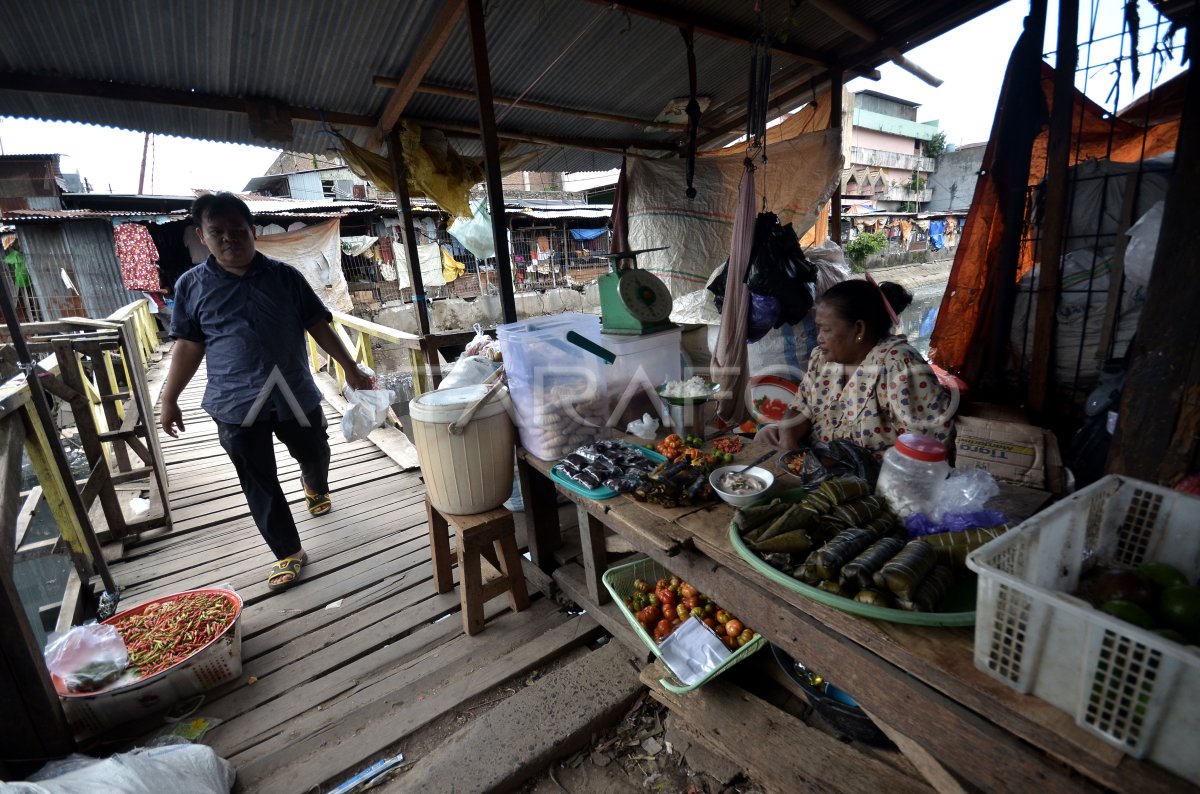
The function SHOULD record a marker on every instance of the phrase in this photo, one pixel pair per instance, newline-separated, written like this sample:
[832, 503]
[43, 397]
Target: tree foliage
[935, 145]
[864, 245]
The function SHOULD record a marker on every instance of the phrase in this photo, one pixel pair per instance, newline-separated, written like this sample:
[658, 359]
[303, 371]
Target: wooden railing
[360, 346]
[98, 368]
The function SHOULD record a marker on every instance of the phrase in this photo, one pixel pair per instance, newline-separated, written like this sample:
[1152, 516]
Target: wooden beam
[12, 445]
[404, 206]
[491, 156]
[1054, 228]
[123, 92]
[865, 32]
[1160, 442]
[25, 516]
[836, 84]
[605, 145]
[427, 51]
[677, 16]
[525, 104]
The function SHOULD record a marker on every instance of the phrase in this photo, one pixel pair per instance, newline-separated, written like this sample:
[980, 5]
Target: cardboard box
[1011, 451]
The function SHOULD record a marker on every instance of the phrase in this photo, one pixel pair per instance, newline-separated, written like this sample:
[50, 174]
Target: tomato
[666, 598]
[683, 612]
[711, 623]
[651, 599]
[676, 582]
[745, 637]
[723, 617]
[641, 585]
[639, 601]
[691, 602]
[649, 616]
[662, 629]
[697, 612]
[662, 584]
[734, 627]
[687, 591]
[709, 609]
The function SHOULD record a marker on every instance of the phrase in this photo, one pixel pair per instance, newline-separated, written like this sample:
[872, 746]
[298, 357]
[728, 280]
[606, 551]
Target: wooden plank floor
[363, 651]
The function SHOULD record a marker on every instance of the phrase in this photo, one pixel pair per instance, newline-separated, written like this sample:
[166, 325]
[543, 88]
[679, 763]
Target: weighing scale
[633, 301]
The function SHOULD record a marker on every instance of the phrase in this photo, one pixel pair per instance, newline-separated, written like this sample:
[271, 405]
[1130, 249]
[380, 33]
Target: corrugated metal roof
[316, 54]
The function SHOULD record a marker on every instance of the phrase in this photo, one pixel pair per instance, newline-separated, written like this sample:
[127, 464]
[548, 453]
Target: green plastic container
[961, 597]
[619, 581]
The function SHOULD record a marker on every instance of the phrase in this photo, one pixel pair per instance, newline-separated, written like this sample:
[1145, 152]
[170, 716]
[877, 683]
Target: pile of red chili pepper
[168, 632]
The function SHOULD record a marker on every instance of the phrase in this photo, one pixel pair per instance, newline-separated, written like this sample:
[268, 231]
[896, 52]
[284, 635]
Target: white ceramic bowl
[741, 500]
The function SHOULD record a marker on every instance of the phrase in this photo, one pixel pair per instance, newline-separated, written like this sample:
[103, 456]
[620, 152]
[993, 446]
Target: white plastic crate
[1131, 687]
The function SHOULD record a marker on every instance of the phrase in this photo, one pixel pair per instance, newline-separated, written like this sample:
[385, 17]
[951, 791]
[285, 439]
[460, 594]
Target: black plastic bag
[764, 315]
[836, 458]
[779, 269]
[717, 285]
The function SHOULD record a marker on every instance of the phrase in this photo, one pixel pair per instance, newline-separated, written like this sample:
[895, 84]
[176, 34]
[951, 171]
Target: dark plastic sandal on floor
[289, 567]
[318, 503]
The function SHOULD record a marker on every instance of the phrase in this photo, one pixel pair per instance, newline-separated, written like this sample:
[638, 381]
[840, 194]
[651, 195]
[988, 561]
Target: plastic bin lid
[923, 448]
[446, 405]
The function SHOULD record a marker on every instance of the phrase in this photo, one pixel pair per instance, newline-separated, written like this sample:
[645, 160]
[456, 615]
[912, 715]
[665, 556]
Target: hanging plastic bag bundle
[367, 410]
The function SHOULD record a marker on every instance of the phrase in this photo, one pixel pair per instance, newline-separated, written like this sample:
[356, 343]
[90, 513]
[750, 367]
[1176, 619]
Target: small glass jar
[910, 473]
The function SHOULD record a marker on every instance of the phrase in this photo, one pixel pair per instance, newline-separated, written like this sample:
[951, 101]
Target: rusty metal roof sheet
[324, 56]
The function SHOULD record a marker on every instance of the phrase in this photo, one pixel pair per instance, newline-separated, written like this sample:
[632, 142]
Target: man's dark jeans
[252, 451]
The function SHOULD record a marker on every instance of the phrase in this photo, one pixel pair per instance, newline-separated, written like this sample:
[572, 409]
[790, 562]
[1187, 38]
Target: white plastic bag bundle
[1143, 243]
[367, 410]
[475, 233]
[469, 371]
[86, 658]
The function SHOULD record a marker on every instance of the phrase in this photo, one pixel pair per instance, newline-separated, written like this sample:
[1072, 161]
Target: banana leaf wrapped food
[794, 541]
[856, 513]
[830, 586]
[952, 548]
[751, 521]
[807, 571]
[843, 548]
[883, 524]
[801, 515]
[931, 591]
[839, 490]
[903, 573]
[874, 597]
[857, 574]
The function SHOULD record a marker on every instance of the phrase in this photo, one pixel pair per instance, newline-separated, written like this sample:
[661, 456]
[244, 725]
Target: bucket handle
[458, 425]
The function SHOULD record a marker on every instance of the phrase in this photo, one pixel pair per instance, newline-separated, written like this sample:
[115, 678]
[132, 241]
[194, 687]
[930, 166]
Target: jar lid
[919, 447]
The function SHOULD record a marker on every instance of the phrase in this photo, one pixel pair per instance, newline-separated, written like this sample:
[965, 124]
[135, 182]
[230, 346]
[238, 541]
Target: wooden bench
[490, 535]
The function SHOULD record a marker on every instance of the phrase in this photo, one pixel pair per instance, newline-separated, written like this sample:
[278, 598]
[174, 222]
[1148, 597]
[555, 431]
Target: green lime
[1128, 612]
[1180, 608]
[1161, 574]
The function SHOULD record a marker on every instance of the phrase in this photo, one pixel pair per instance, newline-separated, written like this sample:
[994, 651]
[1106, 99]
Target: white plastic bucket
[469, 473]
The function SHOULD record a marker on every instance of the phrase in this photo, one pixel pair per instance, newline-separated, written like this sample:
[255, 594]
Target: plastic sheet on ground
[191, 768]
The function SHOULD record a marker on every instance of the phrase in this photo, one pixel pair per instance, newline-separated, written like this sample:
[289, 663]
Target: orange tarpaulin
[963, 329]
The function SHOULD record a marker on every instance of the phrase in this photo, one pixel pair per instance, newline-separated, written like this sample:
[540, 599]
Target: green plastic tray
[961, 595]
[619, 581]
[604, 492]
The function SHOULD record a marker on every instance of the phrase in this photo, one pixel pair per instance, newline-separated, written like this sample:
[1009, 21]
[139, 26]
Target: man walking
[247, 315]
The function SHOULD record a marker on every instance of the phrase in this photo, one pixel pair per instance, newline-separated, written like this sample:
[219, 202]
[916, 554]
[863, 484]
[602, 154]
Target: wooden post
[1058, 185]
[1157, 433]
[836, 81]
[33, 720]
[491, 156]
[404, 205]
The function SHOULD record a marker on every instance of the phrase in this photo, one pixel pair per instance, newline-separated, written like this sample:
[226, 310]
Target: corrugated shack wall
[84, 249]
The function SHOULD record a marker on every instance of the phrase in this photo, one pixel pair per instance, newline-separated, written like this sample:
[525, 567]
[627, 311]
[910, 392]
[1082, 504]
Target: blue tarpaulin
[937, 234]
[588, 234]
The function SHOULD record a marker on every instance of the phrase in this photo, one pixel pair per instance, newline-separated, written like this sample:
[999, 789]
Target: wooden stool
[490, 535]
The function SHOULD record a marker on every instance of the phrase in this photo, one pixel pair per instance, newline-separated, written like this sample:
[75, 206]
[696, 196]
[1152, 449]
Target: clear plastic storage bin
[558, 389]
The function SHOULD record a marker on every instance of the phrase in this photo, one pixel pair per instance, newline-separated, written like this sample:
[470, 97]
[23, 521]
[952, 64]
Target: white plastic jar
[910, 473]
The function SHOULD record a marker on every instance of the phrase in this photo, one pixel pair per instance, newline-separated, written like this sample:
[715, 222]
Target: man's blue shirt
[249, 326]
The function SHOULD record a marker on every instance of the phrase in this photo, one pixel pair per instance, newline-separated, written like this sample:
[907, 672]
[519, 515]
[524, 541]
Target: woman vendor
[863, 384]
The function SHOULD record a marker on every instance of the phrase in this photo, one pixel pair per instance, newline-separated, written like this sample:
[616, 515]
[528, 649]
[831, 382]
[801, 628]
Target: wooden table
[917, 683]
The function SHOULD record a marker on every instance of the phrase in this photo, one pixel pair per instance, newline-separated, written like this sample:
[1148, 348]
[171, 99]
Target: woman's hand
[769, 434]
[789, 433]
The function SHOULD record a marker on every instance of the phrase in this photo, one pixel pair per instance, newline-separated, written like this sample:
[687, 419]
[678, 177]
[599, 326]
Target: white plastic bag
[1143, 243]
[193, 768]
[88, 657]
[964, 491]
[645, 427]
[367, 410]
[468, 371]
[475, 233]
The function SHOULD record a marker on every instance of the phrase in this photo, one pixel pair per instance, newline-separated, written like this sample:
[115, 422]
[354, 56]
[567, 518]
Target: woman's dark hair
[220, 204]
[856, 300]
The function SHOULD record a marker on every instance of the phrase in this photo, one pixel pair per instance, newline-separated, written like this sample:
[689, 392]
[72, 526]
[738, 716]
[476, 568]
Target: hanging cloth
[16, 260]
[729, 358]
[138, 257]
[620, 214]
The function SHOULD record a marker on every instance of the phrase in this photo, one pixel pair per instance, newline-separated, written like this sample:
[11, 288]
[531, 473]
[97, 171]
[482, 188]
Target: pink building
[888, 167]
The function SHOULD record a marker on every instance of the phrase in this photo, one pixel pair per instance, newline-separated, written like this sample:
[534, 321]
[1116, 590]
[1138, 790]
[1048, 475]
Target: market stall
[920, 682]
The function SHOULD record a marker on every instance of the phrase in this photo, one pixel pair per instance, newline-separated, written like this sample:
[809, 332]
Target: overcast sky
[970, 59]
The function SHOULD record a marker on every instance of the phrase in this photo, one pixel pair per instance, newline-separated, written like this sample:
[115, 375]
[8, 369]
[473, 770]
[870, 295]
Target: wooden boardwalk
[362, 652]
